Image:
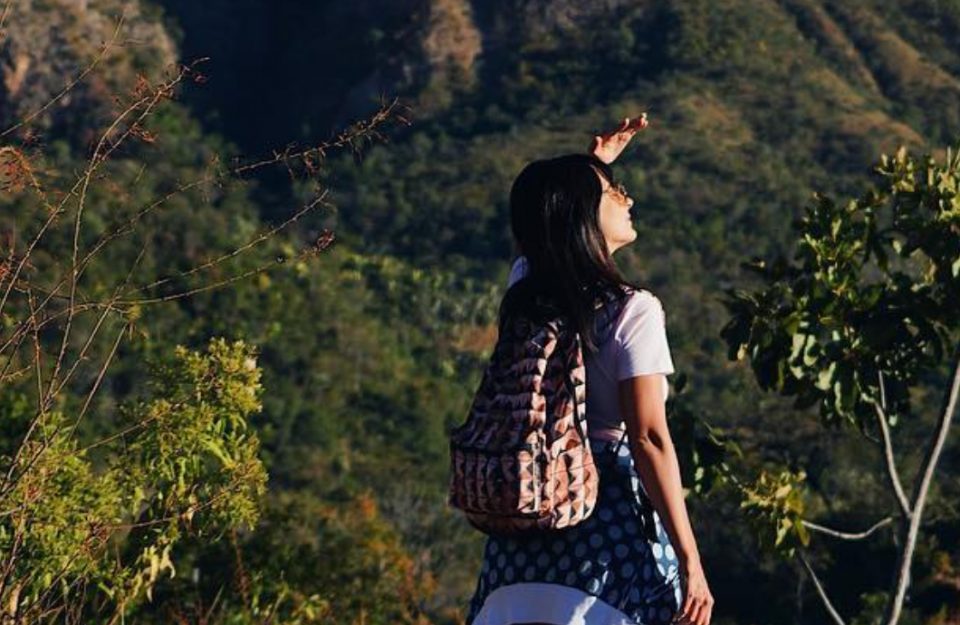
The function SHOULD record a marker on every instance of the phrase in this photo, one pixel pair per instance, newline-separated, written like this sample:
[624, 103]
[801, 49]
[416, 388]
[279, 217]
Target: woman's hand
[607, 147]
[697, 600]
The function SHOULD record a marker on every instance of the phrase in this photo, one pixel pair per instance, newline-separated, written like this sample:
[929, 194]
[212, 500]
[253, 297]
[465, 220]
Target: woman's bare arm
[644, 413]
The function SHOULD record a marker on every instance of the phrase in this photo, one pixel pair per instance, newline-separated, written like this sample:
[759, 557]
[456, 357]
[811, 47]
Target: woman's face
[615, 222]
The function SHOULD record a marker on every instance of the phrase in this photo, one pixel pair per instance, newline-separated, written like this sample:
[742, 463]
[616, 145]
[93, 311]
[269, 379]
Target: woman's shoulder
[641, 298]
[640, 304]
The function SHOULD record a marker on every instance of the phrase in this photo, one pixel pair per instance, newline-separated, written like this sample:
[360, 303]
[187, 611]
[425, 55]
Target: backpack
[522, 459]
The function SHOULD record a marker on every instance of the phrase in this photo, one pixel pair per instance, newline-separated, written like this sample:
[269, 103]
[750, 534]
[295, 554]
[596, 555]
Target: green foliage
[431, 301]
[870, 303]
[706, 451]
[348, 554]
[310, 561]
[774, 506]
[197, 446]
[108, 515]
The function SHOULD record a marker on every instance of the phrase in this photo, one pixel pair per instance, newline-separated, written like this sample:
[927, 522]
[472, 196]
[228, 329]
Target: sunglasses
[618, 191]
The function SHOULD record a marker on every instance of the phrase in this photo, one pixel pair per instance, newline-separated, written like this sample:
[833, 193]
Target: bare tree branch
[889, 459]
[921, 488]
[320, 199]
[820, 589]
[143, 107]
[848, 535]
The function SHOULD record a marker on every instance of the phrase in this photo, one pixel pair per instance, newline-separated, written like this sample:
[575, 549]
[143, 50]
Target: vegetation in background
[370, 353]
[865, 315]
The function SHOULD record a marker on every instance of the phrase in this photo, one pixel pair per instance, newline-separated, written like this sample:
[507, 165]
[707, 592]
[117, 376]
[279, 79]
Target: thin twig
[100, 155]
[820, 589]
[8, 482]
[250, 244]
[103, 371]
[848, 535]
[341, 140]
[70, 85]
[79, 185]
[93, 333]
[890, 462]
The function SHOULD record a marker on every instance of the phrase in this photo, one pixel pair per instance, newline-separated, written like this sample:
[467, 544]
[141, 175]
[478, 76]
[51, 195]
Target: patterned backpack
[522, 460]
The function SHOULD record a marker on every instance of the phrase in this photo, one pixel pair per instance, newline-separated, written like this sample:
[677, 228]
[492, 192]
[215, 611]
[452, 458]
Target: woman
[635, 559]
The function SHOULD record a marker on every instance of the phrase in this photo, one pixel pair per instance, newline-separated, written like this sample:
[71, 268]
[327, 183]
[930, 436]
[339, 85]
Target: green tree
[859, 322]
[95, 497]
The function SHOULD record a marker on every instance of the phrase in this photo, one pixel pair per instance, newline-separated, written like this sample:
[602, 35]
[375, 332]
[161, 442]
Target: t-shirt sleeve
[641, 338]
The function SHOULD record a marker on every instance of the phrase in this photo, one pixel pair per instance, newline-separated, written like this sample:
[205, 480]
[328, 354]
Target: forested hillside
[371, 350]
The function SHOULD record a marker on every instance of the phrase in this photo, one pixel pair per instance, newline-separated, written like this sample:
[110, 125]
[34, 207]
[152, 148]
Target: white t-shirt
[636, 344]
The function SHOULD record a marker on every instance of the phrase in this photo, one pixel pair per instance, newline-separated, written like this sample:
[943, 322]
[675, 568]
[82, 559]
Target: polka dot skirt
[620, 554]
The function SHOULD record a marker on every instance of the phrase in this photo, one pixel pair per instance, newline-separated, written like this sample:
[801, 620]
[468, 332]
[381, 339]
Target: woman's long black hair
[554, 216]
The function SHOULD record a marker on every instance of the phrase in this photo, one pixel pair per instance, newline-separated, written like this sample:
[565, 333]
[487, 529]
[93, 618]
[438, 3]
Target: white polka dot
[669, 552]
[585, 567]
[593, 586]
[596, 540]
[657, 550]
